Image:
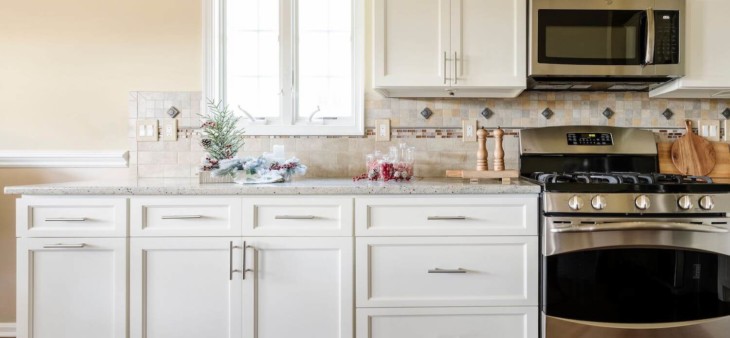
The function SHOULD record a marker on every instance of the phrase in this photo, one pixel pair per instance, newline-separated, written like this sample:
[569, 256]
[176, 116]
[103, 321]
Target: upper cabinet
[449, 48]
[707, 64]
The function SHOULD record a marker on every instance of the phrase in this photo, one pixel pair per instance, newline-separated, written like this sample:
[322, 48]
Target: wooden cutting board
[693, 154]
[721, 172]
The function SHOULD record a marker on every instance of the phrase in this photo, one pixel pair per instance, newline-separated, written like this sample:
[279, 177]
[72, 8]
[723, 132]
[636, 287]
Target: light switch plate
[382, 130]
[147, 130]
[709, 129]
[169, 130]
[469, 130]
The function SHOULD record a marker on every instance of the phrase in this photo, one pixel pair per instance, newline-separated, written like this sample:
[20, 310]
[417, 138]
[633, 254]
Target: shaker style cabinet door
[72, 288]
[299, 287]
[185, 287]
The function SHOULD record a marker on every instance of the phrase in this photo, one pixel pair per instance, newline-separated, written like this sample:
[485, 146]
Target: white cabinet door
[299, 287]
[72, 288]
[411, 43]
[707, 67]
[488, 42]
[475, 322]
[185, 287]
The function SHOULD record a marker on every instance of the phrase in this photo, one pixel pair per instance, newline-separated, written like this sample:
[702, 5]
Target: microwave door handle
[640, 225]
[650, 37]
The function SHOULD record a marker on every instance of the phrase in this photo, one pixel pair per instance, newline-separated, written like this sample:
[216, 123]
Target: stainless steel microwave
[616, 41]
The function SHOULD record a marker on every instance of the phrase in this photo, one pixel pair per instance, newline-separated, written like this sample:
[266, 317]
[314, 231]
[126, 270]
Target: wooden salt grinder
[482, 152]
[498, 150]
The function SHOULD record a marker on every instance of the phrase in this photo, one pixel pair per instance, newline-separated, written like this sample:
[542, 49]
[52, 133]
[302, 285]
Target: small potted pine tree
[222, 138]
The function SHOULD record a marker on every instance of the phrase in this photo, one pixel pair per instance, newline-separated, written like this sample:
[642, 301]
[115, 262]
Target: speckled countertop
[333, 186]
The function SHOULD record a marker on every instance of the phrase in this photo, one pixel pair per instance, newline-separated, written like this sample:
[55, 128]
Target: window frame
[288, 123]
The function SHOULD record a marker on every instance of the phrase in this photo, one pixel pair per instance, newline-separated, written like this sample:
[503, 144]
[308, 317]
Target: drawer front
[298, 216]
[185, 216]
[71, 217]
[495, 322]
[456, 271]
[512, 215]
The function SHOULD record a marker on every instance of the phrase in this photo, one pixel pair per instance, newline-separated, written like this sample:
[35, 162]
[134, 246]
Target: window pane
[252, 56]
[325, 57]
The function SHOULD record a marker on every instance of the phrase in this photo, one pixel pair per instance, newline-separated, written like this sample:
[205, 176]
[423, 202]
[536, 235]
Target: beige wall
[65, 70]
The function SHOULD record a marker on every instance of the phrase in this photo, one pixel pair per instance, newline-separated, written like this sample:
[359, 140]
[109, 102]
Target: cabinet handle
[230, 260]
[294, 217]
[446, 218]
[444, 69]
[245, 248]
[64, 246]
[456, 69]
[438, 270]
[66, 219]
[182, 216]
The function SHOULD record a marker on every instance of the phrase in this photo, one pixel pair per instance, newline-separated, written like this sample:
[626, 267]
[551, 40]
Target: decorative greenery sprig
[222, 138]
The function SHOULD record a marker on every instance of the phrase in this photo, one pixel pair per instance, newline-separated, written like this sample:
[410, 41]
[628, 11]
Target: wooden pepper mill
[498, 150]
[482, 153]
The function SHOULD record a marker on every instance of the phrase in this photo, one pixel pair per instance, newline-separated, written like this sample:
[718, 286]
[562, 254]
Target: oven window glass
[637, 285]
[591, 37]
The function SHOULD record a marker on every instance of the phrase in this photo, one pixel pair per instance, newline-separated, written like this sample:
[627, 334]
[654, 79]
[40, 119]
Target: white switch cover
[382, 130]
[469, 130]
[709, 129]
[169, 130]
[147, 130]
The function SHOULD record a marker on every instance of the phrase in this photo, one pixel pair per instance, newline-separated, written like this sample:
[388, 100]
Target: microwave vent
[637, 87]
[581, 86]
[552, 86]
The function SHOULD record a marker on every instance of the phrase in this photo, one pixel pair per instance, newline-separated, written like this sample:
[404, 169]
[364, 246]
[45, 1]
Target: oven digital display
[590, 139]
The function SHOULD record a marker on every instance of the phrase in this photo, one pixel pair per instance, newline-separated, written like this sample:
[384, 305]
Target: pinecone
[206, 142]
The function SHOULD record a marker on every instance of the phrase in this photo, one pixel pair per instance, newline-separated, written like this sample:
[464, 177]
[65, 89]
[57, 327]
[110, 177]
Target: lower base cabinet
[72, 287]
[194, 287]
[476, 322]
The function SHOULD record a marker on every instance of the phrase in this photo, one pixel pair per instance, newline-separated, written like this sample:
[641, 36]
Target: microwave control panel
[666, 47]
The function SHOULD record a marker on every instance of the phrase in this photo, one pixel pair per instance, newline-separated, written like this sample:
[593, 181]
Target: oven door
[604, 38]
[636, 278]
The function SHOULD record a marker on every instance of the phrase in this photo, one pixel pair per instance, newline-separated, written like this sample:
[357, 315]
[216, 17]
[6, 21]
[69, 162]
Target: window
[289, 67]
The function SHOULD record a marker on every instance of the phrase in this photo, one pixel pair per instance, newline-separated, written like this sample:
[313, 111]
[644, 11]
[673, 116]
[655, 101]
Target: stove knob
[598, 202]
[706, 203]
[685, 202]
[575, 203]
[642, 202]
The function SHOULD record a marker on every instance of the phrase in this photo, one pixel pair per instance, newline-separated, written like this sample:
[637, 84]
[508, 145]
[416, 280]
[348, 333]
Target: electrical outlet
[147, 130]
[169, 130]
[709, 129]
[469, 130]
[382, 130]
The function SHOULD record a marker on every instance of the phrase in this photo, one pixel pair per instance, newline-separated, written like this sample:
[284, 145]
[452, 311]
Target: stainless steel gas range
[626, 252]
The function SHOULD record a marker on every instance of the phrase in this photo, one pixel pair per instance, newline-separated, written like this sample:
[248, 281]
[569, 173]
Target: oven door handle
[640, 225]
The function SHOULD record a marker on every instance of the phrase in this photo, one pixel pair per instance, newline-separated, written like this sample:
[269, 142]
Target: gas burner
[618, 178]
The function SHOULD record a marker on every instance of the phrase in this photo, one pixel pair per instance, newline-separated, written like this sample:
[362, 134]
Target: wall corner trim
[63, 159]
[7, 329]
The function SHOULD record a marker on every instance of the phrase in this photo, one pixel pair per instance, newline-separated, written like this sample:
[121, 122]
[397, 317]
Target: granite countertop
[303, 186]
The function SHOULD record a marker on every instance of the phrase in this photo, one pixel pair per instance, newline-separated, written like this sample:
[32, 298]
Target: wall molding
[64, 159]
[7, 329]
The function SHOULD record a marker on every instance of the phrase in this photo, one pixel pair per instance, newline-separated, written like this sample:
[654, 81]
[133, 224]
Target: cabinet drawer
[447, 216]
[71, 217]
[455, 271]
[185, 216]
[298, 216]
[512, 322]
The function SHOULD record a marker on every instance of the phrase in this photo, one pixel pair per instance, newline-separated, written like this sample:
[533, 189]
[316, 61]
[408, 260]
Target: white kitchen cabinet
[477, 322]
[297, 216]
[299, 287]
[71, 217]
[186, 287]
[449, 48]
[72, 288]
[185, 216]
[707, 67]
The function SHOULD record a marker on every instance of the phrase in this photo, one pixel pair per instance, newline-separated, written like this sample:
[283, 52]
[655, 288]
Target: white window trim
[213, 77]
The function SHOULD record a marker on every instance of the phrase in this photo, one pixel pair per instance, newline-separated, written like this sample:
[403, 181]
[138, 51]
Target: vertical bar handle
[456, 69]
[230, 260]
[650, 37]
[444, 69]
[245, 247]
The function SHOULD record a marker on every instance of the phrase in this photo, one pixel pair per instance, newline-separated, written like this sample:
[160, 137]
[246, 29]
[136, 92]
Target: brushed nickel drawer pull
[294, 217]
[182, 217]
[446, 218]
[438, 270]
[66, 219]
[64, 246]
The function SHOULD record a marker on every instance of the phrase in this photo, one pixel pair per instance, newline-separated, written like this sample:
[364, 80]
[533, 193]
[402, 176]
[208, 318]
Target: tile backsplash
[437, 139]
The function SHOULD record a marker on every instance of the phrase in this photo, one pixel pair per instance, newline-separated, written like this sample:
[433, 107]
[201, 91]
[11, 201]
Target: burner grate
[618, 178]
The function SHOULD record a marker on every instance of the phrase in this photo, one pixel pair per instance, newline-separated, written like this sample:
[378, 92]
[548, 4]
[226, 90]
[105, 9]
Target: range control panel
[590, 139]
